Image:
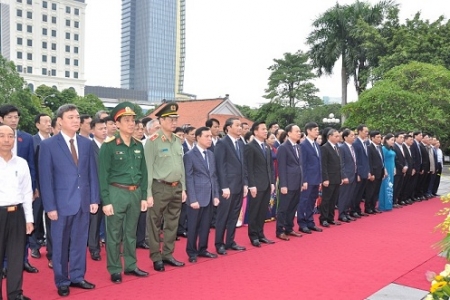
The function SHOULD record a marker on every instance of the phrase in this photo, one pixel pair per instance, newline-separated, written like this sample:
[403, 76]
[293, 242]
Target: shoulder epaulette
[110, 139]
[154, 136]
[137, 140]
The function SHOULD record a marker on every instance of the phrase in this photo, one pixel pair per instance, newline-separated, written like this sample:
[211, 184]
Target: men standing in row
[123, 185]
[203, 192]
[401, 167]
[363, 170]
[261, 181]
[166, 187]
[331, 176]
[16, 216]
[407, 187]
[232, 176]
[377, 172]
[69, 188]
[349, 175]
[312, 179]
[290, 175]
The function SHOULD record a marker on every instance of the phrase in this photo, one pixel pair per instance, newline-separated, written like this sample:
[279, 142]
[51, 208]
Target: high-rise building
[153, 47]
[45, 40]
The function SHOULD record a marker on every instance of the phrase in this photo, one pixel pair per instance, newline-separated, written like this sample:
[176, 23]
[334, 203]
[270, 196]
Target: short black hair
[97, 121]
[398, 133]
[229, 122]
[145, 120]
[84, 117]
[407, 136]
[310, 125]
[108, 119]
[360, 127]
[272, 123]
[199, 131]
[37, 119]
[188, 129]
[290, 127]
[137, 121]
[346, 133]
[54, 122]
[255, 126]
[209, 122]
[178, 129]
[8, 108]
[388, 137]
[65, 108]
[374, 133]
[415, 133]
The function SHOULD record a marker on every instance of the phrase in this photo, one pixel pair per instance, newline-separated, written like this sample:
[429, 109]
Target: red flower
[19, 139]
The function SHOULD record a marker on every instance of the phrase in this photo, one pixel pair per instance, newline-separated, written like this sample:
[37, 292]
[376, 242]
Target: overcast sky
[229, 44]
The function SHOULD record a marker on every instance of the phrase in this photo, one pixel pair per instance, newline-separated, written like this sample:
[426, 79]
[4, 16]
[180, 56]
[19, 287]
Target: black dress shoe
[221, 250]
[4, 271]
[344, 219]
[182, 234]
[143, 245]
[21, 297]
[266, 241]
[305, 230]
[83, 285]
[173, 262]
[369, 211]
[377, 211]
[325, 224]
[334, 223]
[63, 291]
[256, 243]
[236, 247]
[192, 259]
[137, 272]
[158, 266]
[315, 228]
[396, 206]
[408, 201]
[356, 215]
[363, 214]
[96, 256]
[207, 254]
[35, 253]
[116, 278]
[29, 268]
[350, 218]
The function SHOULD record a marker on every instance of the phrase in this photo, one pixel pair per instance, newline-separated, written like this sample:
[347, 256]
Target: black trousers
[398, 183]
[412, 186]
[183, 221]
[359, 191]
[405, 190]
[227, 216]
[198, 229]
[38, 212]
[372, 192]
[94, 230]
[437, 180]
[141, 227]
[330, 196]
[421, 179]
[257, 211]
[346, 194]
[12, 245]
[426, 183]
[287, 206]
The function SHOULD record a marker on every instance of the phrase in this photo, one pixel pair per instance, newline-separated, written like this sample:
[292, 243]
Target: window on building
[53, 72]
[19, 1]
[53, 6]
[67, 35]
[54, 33]
[76, 37]
[30, 2]
[30, 70]
[76, 24]
[19, 12]
[19, 27]
[67, 48]
[44, 71]
[19, 69]
[30, 43]
[53, 59]
[75, 49]
[44, 45]
[44, 31]
[75, 74]
[53, 20]
[75, 62]
[44, 4]
[68, 9]
[29, 15]
[53, 46]
[19, 55]
[68, 23]
[30, 56]
[19, 41]
[29, 28]
[67, 74]
[77, 11]
[44, 18]
[44, 58]
[68, 61]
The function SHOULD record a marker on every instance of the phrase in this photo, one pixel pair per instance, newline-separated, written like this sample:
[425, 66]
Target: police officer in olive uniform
[166, 187]
[123, 186]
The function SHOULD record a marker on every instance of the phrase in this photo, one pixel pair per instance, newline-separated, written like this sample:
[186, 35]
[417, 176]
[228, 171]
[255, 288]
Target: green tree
[410, 97]
[247, 111]
[290, 80]
[276, 112]
[317, 114]
[89, 104]
[333, 38]
[29, 106]
[10, 82]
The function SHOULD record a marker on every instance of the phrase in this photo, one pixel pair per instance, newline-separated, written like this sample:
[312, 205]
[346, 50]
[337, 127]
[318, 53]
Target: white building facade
[45, 40]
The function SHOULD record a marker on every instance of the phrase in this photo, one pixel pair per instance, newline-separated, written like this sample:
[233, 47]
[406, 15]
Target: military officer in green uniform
[166, 187]
[123, 187]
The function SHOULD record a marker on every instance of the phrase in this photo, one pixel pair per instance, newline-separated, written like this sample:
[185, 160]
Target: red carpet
[351, 261]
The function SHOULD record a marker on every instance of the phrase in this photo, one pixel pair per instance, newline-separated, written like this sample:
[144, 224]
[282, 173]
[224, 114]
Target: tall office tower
[45, 40]
[153, 47]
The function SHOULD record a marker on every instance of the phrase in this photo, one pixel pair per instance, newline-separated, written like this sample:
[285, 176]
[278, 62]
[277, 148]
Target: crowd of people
[112, 179]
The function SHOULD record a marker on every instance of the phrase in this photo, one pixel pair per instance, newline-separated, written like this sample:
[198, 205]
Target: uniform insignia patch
[120, 152]
[163, 138]
[154, 137]
[109, 139]
[137, 151]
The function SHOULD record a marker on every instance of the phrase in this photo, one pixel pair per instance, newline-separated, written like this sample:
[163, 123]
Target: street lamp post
[331, 120]
[44, 104]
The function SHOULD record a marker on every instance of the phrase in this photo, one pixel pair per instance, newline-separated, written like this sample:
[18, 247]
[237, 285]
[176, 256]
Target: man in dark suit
[407, 188]
[43, 124]
[377, 172]
[362, 161]
[70, 192]
[290, 173]
[349, 171]
[261, 181]
[202, 190]
[417, 156]
[401, 167]
[331, 176]
[232, 176]
[98, 129]
[312, 179]
[189, 138]
[425, 168]
[23, 147]
[214, 124]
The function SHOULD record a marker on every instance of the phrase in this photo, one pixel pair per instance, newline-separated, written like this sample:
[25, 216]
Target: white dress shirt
[67, 140]
[15, 185]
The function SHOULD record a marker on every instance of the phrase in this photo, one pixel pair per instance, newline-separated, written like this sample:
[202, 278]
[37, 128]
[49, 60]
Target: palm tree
[332, 39]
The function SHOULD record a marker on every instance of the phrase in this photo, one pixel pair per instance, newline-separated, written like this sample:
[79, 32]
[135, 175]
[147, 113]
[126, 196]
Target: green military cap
[169, 110]
[123, 109]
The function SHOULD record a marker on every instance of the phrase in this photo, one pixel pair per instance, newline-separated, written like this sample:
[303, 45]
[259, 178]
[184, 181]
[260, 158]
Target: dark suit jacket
[415, 151]
[260, 169]
[347, 163]
[409, 159]
[311, 163]
[375, 161]
[36, 142]
[25, 149]
[66, 187]
[201, 182]
[362, 159]
[96, 149]
[425, 158]
[231, 171]
[185, 147]
[331, 164]
[400, 160]
[289, 166]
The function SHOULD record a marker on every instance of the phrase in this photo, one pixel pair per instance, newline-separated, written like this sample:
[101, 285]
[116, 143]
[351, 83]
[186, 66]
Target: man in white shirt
[15, 202]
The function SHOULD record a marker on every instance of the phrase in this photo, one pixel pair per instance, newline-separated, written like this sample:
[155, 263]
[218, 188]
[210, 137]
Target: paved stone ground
[400, 292]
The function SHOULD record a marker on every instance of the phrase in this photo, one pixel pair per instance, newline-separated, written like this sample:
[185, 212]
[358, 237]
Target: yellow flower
[439, 278]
